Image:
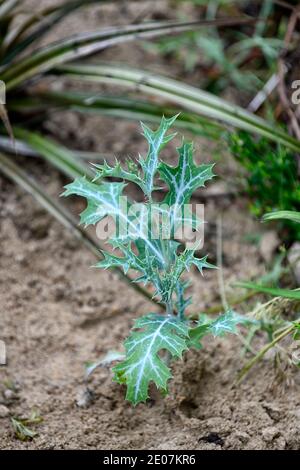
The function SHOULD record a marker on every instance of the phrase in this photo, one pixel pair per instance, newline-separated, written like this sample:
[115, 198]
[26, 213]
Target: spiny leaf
[166, 280]
[182, 302]
[184, 179]
[184, 262]
[156, 141]
[143, 364]
[106, 171]
[225, 323]
[102, 199]
[143, 261]
[128, 260]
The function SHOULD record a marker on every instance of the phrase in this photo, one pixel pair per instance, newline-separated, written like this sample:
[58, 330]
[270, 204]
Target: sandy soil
[57, 313]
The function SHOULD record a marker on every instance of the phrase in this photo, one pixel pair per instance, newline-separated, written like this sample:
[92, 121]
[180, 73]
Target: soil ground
[57, 313]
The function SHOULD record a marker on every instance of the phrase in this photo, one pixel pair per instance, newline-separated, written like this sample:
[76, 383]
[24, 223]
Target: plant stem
[169, 308]
[263, 351]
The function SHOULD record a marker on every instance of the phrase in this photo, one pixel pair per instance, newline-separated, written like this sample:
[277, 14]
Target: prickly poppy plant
[149, 246]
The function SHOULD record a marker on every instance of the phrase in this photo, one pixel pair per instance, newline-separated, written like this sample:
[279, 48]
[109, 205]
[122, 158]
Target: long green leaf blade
[84, 44]
[14, 42]
[117, 107]
[276, 292]
[186, 96]
[293, 216]
[57, 155]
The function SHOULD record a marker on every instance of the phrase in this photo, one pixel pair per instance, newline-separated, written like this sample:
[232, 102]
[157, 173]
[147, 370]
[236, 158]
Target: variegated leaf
[184, 179]
[142, 365]
[156, 141]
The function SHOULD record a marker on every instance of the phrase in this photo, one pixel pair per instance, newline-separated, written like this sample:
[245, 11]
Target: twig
[263, 94]
[263, 351]
[220, 264]
[284, 4]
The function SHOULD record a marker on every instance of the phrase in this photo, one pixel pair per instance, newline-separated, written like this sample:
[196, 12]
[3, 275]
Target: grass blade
[6, 7]
[16, 174]
[6, 122]
[19, 147]
[14, 43]
[288, 294]
[84, 44]
[186, 96]
[57, 155]
[289, 215]
[118, 107]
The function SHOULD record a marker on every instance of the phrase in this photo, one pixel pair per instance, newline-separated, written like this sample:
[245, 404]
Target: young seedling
[147, 245]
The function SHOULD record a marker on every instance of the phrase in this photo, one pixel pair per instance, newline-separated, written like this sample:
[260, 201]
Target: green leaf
[182, 302]
[187, 97]
[84, 44]
[184, 261]
[289, 294]
[20, 37]
[167, 281]
[127, 261]
[104, 200]
[22, 432]
[119, 107]
[184, 179]
[21, 426]
[131, 174]
[151, 335]
[289, 215]
[196, 334]
[225, 323]
[296, 335]
[156, 141]
[58, 155]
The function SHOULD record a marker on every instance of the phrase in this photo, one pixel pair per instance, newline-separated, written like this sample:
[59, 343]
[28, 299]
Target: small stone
[85, 398]
[21, 259]
[268, 245]
[242, 436]
[4, 411]
[59, 292]
[297, 413]
[270, 433]
[9, 395]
